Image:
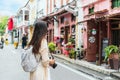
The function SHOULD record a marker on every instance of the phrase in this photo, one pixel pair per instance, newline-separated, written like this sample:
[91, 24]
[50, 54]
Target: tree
[3, 23]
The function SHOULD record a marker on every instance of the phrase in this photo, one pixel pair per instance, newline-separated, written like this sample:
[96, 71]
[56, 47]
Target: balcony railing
[23, 23]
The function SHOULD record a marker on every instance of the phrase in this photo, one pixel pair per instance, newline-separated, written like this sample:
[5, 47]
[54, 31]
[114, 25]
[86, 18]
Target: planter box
[114, 61]
[116, 64]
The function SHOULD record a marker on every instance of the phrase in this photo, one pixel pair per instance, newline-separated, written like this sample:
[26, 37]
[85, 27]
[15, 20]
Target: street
[11, 69]
[63, 72]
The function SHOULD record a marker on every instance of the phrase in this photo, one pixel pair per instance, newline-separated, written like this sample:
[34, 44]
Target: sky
[10, 7]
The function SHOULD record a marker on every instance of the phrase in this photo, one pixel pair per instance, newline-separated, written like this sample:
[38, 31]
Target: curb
[116, 74]
[88, 65]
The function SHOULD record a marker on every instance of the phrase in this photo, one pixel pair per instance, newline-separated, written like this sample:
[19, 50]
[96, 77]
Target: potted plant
[72, 53]
[71, 40]
[110, 50]
[69, 46]
[51, 47]
[111, 55]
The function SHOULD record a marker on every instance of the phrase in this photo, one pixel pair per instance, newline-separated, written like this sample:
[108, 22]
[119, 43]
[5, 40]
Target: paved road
[11, 69]
[63, 72]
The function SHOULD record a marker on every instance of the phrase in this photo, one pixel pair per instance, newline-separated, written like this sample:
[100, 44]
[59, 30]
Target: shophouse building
[26, 17]
[101, 23]
[22, 21]
[44, 11]
[32, 16]
[62, 17]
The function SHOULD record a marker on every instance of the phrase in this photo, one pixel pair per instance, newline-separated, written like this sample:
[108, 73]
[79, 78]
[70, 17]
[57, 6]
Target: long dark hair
[39, 33]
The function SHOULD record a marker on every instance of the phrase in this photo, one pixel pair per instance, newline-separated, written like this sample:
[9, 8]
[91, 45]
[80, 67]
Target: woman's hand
[51, 61]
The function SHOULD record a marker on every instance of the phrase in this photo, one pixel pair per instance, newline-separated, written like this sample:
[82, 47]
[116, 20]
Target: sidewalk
[91, 66]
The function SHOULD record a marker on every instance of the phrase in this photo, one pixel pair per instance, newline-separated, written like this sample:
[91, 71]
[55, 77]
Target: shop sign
[94, 31]
[91, 39]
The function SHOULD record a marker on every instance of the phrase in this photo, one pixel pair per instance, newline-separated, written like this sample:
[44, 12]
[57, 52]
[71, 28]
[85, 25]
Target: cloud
[10, 7]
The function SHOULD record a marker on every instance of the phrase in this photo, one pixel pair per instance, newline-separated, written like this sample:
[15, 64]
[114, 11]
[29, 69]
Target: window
[62, 31]
[115, 3]
[53, 22]
[73, 17]
[62, 19]
[73, 31]
[47, 24]
[26, 17]
[91, 10]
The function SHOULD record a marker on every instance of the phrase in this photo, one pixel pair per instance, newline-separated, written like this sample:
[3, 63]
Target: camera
[53, 65]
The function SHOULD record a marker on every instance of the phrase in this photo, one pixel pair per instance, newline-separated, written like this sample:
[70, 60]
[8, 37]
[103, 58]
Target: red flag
[10, 24]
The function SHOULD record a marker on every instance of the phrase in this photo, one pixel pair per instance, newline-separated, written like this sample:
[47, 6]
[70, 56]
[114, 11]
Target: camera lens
[54, 65]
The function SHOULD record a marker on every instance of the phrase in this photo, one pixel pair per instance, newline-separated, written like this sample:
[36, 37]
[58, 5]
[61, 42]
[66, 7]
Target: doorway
[67, 33]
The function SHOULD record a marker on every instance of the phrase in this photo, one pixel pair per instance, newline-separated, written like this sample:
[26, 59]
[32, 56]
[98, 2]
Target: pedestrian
[6, 42]
[24, 41]
[2, 40]
[61, 40]
[1, 43]
[40, 49]
[16, 42]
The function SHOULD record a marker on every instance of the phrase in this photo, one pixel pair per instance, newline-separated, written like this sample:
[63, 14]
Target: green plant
[3, 23]
[51, 47]
[72, 53]
[110, 50]
[71, 40]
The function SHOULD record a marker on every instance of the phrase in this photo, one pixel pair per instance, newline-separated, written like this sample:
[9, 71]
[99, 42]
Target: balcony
[23, 23]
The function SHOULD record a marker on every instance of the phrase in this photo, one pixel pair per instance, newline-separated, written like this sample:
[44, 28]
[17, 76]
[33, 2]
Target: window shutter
[115, 3]
[118, 3]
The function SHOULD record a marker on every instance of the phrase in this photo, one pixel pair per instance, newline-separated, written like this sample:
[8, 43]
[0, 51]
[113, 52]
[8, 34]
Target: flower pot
[116, 64]
[114, 61]
[110, 62]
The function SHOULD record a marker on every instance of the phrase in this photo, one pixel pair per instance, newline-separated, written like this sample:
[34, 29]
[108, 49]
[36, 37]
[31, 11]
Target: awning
[51, 14]
[97, 14]
[67, 8]
[57, 13]
[85, 20]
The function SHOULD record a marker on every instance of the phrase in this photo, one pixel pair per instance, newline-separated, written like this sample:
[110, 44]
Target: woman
[40, 49]
[16, 42]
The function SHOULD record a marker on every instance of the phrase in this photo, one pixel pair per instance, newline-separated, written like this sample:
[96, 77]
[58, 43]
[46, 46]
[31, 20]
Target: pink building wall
[51, 26]
[68, 17]
[85, 36]
[101, 5]
[98, 6]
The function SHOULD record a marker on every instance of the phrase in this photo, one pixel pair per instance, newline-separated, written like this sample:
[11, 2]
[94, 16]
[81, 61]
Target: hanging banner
[10, 24]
